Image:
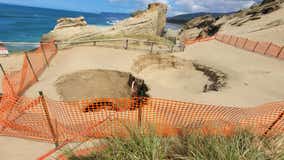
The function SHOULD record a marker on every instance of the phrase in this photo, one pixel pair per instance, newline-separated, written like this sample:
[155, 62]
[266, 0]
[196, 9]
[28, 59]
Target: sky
[127, 6]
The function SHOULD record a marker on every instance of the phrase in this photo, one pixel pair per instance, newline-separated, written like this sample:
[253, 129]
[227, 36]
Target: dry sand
[252, 79]
[21, 149]
[81, 58]
[96, 83]
[10, 63]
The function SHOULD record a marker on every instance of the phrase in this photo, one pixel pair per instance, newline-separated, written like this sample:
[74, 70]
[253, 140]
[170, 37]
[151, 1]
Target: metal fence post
[267, 47]
[29, 61]
[7, 79]
[152, 47]
[56, 46]
[183, 47]
[43, 52]
[254, 48]
[278, 54]
[141, 103]
[140, 113]
[230, 39]
[172, 49]
[274, 123]
[245, 44]
[45, 108]
[235, 44]
[126, 44]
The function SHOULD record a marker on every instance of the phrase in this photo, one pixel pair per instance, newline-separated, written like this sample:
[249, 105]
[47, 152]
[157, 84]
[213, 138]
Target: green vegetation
[241, 146]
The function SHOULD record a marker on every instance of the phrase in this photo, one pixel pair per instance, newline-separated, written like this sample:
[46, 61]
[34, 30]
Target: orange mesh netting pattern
[101, 118]
[266, 48]
[58, 121]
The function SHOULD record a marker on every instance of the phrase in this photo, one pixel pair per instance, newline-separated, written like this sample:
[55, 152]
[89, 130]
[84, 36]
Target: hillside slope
[261, 22]
[269, 27]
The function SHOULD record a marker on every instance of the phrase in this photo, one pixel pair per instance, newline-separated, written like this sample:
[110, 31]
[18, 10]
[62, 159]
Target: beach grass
[241, 146]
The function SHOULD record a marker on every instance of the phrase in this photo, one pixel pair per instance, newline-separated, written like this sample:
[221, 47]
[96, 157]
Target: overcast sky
[127, 6]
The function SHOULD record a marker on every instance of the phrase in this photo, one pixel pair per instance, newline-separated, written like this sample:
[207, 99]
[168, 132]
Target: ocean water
[28, 24]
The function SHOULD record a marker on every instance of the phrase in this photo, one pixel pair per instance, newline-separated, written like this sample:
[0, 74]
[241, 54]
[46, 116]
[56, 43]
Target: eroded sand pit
[93, 83]
[250, 79]
[168, 73]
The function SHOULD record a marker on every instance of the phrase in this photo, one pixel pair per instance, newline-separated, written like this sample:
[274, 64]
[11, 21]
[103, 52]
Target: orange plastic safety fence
[60, 122]
[100, 118]
[15, 83]
[266, 48]
[281, 54]
[16, 111]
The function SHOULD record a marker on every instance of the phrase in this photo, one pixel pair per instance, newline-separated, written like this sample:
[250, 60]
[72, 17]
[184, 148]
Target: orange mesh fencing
[241, 42]
[266, 48]
[273, 50]
[262, 47]
[169, 118]
[100, 118]
[250, 45]
[15, 83]
[226, 39]
[59, 122]
[14, 109]
[281, 54]
[233, 41]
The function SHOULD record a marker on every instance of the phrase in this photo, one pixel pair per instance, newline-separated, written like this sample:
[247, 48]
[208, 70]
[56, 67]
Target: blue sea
[28, 24]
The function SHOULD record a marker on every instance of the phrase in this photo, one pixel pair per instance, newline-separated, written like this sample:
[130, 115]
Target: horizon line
[58, 9]
[88, 12]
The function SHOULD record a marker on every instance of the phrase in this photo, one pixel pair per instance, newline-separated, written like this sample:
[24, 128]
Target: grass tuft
[140, 146]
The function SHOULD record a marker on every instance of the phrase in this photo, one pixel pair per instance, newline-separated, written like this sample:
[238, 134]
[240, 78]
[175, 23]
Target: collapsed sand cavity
[168, 73]
[93, 83]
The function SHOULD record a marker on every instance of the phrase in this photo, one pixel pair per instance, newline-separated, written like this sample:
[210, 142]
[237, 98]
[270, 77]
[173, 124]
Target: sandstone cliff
[199, 27]
[150, 23]
[70, 22]
[263, 22]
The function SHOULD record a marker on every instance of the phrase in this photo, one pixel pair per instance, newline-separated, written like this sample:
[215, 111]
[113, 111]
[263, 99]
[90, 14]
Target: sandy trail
[21, 149]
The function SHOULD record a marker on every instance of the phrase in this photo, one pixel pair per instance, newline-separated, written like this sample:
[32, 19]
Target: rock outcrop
[199, 27]
[70, 22]
[205, 26]
[151, 23]
[255, 12]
